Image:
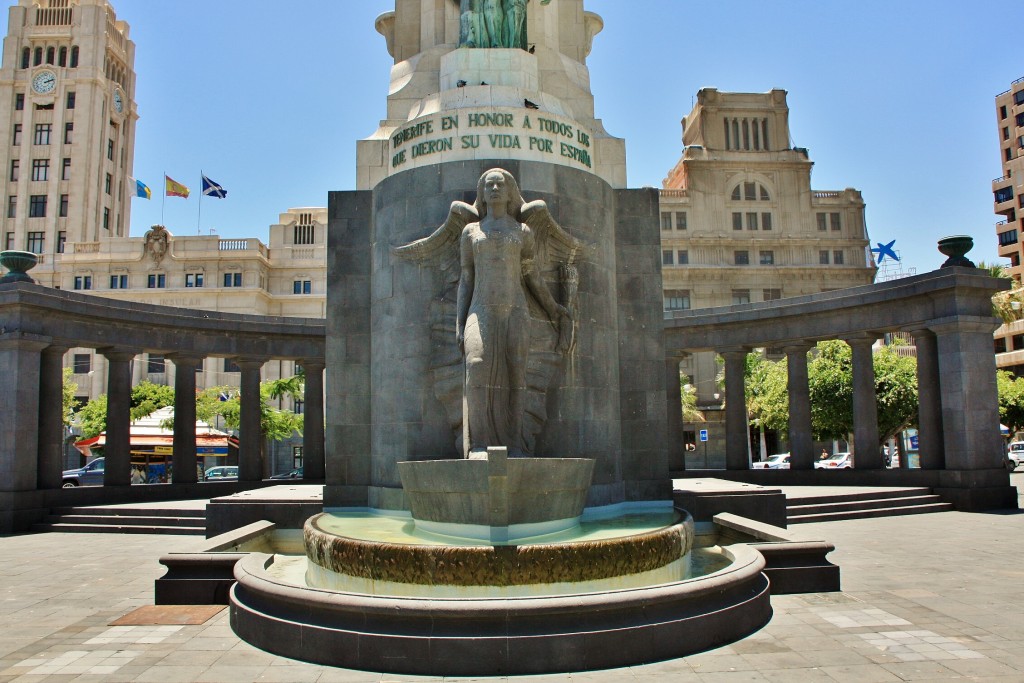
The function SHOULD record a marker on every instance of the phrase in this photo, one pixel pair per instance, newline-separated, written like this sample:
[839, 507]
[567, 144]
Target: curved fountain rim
[685, 515]
[746, 563]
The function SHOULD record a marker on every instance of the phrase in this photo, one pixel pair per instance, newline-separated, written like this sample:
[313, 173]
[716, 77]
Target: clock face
[118, 101]
[44, 82]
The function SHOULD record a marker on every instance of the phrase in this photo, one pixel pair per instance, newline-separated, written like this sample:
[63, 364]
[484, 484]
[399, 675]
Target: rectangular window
[40, 169]
[108, 181]
[119, 282]
[42, 136]
[193, 279]
[771, 294]
[156, 364]
[296, 457]
[298, 406]
[1018, 97]
[1020, 120]
[12, 207]
[740, 296]
[83, 282]
[737, 220]
[1003, 194]
[303, 234]
[110, 149]
[666, 220]
[15, 167]
[667, 257]
[63, 206]
[752, 220]
[1008, 154]
[677, 299]
[750, 192]
[767, 258]
[302, 287]
[231, 366]
[9, 241]
[157, 281]
[62, 239]
[822, 222]
[837, 257]
[34, 243]
[16, 138]
[19, 102]
[106, 218]
[766, 221]
[823, 257]
[682, 257]
[82, 364]
[1002, 112]
[680, 220]
[65, 170]
[69, 129]
[741, 258]
[835, 221]
[71, 99]
[232, 279]
[37, 206]
[1006, 133]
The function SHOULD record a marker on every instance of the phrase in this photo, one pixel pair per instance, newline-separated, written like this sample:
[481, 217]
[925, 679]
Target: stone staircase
[837, 505]
[122, 519]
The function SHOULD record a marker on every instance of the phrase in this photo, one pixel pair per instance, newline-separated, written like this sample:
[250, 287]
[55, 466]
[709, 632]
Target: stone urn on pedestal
[17, 263]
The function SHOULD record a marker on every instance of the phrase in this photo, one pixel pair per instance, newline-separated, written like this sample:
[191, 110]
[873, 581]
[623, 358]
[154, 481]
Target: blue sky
[892, 97]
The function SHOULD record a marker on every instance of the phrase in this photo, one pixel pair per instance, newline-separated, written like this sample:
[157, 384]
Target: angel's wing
[555, 247]
[442, 239]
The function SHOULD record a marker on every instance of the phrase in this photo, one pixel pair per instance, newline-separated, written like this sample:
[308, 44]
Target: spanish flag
[174, 188]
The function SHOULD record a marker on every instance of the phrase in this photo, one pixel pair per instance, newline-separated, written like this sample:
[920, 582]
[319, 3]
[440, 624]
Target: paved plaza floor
[936, 597]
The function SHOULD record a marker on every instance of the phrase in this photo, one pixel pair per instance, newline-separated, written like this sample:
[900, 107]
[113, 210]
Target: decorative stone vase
[955, 247]
[17, 264]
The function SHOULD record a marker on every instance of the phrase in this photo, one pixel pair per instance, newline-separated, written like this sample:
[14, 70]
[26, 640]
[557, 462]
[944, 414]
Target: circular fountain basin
[504, 629]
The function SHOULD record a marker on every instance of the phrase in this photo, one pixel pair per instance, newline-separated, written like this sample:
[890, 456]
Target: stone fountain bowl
[956, 248]
[18, 263]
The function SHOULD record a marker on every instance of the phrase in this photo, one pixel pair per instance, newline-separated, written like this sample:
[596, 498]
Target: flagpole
[199, 219]
[163, 203]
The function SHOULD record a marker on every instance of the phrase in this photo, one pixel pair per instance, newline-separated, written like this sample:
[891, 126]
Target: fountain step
[129, 520]
[118, 529]
[126, 511]
[800, 507]
[871, 494]
[895, 511]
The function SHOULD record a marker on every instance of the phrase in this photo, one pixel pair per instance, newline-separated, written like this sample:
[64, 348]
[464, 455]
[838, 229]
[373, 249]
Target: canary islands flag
[174, 188]
[212, 189]
[142, 189]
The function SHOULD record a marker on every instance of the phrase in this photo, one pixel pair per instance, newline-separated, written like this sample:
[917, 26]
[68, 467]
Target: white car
[779, 461]
[1015, 453]
[836, 461]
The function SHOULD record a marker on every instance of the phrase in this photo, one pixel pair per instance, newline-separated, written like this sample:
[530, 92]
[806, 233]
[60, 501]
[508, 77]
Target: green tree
[147, 398]
[92, 417]
[767, 392]
[1011, 400]
[689, 400]
[275, 424]
[68, 398]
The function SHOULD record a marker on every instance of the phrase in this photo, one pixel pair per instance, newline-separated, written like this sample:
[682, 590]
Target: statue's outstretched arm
[445, 237]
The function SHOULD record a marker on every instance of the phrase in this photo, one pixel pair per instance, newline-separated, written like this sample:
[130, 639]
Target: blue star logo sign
[884, 250]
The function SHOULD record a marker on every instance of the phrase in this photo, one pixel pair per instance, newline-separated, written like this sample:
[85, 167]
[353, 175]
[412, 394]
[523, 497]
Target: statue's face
[495, 189]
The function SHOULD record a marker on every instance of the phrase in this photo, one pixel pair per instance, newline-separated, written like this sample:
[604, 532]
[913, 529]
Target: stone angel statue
[510, 334]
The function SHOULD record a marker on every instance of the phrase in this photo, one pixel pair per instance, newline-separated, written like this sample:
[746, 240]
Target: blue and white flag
[212, 189]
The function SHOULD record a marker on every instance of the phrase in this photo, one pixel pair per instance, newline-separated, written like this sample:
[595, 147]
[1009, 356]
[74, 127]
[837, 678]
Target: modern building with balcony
[1008, 202]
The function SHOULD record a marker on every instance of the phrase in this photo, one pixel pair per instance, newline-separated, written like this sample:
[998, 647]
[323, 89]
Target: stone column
[930, 445]
[801, 441]
[185, 418]
[19, 419]
[250, 433]
[313, 466]
[117, 467]
[674, 403]
[866, 454]
[51, 414]
[970, 399]
[736, 457]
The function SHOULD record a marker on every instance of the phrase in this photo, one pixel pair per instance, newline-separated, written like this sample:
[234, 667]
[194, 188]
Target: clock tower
[67, 110]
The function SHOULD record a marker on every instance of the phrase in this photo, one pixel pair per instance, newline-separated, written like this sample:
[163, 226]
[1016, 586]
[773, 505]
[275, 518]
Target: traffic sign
[703, 435]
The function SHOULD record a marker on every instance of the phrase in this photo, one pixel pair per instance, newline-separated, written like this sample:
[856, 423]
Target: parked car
[836, 461]
[779, 461]
[1015, 454]
[294, 474]
[90, 475]
[222, 473]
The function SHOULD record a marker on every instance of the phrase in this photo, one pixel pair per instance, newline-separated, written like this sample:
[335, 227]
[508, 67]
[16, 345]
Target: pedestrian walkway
[929, 598]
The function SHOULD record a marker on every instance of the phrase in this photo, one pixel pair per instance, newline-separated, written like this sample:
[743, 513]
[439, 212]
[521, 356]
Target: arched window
[62, 59]
[74, 56]
[51, 55]
[748, 191]
[736, 194]
[26, 57]
[37, 57]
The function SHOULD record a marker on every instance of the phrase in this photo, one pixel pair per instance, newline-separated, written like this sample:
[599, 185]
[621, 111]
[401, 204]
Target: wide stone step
[865, 514]
[129, 511]
[861, 495]
[118, 529]
[128, 520]
[847, 505]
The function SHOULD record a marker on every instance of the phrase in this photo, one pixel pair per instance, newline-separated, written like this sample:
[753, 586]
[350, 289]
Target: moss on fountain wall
[497, 565]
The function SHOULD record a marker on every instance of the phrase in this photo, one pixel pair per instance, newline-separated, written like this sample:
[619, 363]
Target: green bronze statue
[493, 23]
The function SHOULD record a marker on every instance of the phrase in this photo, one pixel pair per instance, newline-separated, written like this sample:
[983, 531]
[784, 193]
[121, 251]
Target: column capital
[24, 340]
[795, 348]
[314, 363]
[186, 359]
[965, 324]
[733, 351]
[862, 339]
[921, 331]
[115, 353]
[250, 362]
